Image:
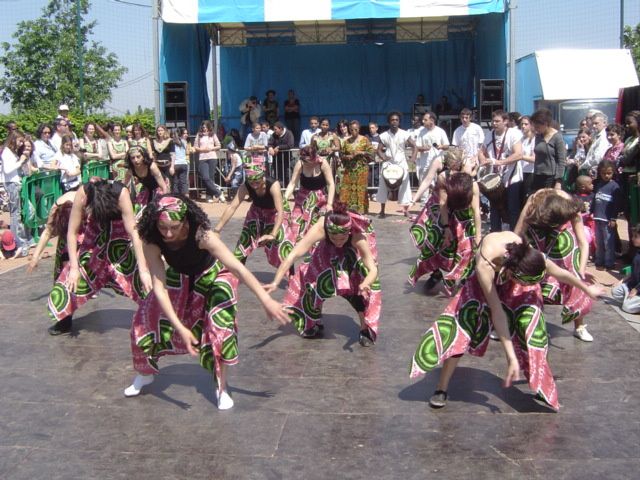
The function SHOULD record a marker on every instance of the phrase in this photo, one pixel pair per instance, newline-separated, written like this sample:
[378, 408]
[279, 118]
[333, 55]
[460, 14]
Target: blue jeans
[207, 171]
[181, 180]
[23, 238]
[605, 244]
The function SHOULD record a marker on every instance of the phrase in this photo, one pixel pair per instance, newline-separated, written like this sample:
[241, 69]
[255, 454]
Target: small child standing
[605, 208]
[626, 292]
[584, 193]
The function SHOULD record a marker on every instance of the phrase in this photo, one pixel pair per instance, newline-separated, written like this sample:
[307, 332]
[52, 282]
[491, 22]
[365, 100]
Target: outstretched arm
[331, 186]
[566, 277]
[434, 168]
[231, 209]
[129, 221]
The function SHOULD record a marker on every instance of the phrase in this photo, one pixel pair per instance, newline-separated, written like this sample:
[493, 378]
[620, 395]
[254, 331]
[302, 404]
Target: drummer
[391, 149]
[501, 153]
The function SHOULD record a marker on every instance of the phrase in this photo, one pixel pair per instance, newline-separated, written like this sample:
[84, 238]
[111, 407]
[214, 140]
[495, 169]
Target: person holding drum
[501, 154]
[395, 182]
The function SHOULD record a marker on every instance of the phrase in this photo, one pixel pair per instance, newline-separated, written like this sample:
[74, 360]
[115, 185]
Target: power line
[133, 81]
[132, 3]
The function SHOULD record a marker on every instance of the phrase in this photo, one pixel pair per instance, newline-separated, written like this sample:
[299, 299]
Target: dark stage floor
[308, 409]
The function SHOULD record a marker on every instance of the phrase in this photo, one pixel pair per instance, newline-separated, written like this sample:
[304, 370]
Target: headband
[171, 209]
[336, 229]
[253, 172]
[529, 279]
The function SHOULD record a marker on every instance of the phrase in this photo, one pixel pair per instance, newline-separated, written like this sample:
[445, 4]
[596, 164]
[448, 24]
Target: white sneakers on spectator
[140, 381]
[581, 333]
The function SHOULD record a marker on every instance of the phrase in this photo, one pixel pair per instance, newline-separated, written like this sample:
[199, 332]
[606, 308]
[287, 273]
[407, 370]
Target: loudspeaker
[491, 98]
[176, 110]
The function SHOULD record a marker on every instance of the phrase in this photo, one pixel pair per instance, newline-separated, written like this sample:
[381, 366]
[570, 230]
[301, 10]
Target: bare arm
[514, 157]
[160, 180]
[295, 176]
[331, 186]
[231, 208]
[435, 166]
[564, 276]
[477, 219]
[276, 193]
[583, 245]
[129, 221]
[360, 242]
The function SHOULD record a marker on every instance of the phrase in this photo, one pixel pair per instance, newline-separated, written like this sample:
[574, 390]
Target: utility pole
[156, 59]
[621, 23]
[80, 56]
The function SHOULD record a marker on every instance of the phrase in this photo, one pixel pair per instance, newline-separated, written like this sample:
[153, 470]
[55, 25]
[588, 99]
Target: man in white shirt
[314, 127]
[62, 129]
[600, 144]
[430, 141]
[502, 151]
[392, 147]
[469, 136]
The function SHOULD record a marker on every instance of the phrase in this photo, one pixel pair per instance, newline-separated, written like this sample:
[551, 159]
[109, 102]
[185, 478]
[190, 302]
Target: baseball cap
[8, 240]
[64, 106]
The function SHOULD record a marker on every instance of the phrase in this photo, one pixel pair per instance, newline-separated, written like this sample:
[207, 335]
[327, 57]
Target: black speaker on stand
[176, 109]
[491, 98]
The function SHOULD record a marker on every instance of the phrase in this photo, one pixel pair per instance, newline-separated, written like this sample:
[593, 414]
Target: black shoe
[61, 327]
[432, 281]
[438, 399]
[310, 332]
[364, 339]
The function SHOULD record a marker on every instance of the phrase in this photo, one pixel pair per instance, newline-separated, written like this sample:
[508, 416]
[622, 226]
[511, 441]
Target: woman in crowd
[326, 142]
[355, 154]
[629, 163]
[528, 157]
[68, 164]
[27, 149]
[503, 293]
[90, 149]
[342, 262]
[118, 148]
[182, 152]
[549, 150]
[270, 107]
[56, 226]
[551, 222]
[164, 152]
[197, 295]
[263, 223]
[44, 149]
[104, 258]
[12, 164]
[342, 130]
[207, 146]
[313, 198]
[147, 177]
[234, 172]
[140, 138]
[256, 144]
[615, 135]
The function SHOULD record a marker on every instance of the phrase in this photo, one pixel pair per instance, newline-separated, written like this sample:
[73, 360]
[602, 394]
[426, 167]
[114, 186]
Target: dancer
[447, 232]
[503, 293]
[57, 226]
[104, 258]
[146, 175]
[263, 223]
[552, 223]
[193, 305]
[313, 199]
[342, 261]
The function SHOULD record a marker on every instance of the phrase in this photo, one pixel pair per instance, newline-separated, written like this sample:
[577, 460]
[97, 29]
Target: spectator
[342, 130]
[69, 165]
[256, 144]
[606, 205]
[600, 143]
[8, 248]
[630, 162]
[514, 120]
[430, 141]
[90, 149]
[182, 150]
[63, 112]
[281, 142]
[11, 167]
[549, 150]
[270, 107]
[626, 292]
[26, 150]
[164, 152]
[615, 134]
[314, 127]
[528, 158]
[44, 148]
[62, 128]
[374, 171]
[444, 107]
[469, 136]
[140, 138]
[250, 111]
[207, 146]
[292, 114]
[118, 148]
[419, 106]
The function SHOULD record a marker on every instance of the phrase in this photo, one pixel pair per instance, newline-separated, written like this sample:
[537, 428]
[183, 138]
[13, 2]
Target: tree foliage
[631, 39]
[42, 65]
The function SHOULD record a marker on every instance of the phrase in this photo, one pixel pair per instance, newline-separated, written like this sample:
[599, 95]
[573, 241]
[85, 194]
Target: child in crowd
[605, 207]
[8, 248]
[234, 172]
[626, 292]
[584, 193]
[69, 165]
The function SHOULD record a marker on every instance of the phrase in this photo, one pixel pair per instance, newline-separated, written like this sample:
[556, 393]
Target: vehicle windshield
[571, 113]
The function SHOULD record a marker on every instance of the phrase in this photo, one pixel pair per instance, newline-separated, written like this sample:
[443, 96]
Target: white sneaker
[493, 335]
[222, 198]
[225, 402]
[140, 381]
[209, 200]
[582, 334]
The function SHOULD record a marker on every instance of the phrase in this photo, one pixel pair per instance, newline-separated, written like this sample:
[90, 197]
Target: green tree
[631, 39]
[42, 65]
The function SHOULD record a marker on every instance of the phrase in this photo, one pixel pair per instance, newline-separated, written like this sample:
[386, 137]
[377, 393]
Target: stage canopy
[354, 59]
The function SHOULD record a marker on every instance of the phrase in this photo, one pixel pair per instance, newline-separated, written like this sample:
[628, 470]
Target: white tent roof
[584, 73]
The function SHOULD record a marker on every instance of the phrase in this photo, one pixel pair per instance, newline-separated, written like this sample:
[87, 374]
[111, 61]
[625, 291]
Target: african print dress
[309, 201]
[353, 175]
[454, 261]
[62, 252]
[561, 247]
[332, 271]
[119, 167]
[205, 303]
[105, 260]
[259, 221]
[465, 324]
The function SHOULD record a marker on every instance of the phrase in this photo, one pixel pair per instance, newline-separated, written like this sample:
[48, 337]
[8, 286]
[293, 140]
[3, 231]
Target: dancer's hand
[275, 310]
[513, 372]
[189, 341]
[266, 239]
[33, 264]
[72, 279]
[270, 287]
[147, 283]
[364, 290]
[595, 291]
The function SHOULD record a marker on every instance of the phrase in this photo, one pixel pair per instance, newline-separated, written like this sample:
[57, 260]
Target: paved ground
[312, 409]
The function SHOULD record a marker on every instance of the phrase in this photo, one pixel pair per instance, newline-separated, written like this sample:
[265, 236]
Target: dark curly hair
[148, 222]
[523, 258]
[550, 210]
[146, 159]
[102, 201]
[59, 222]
